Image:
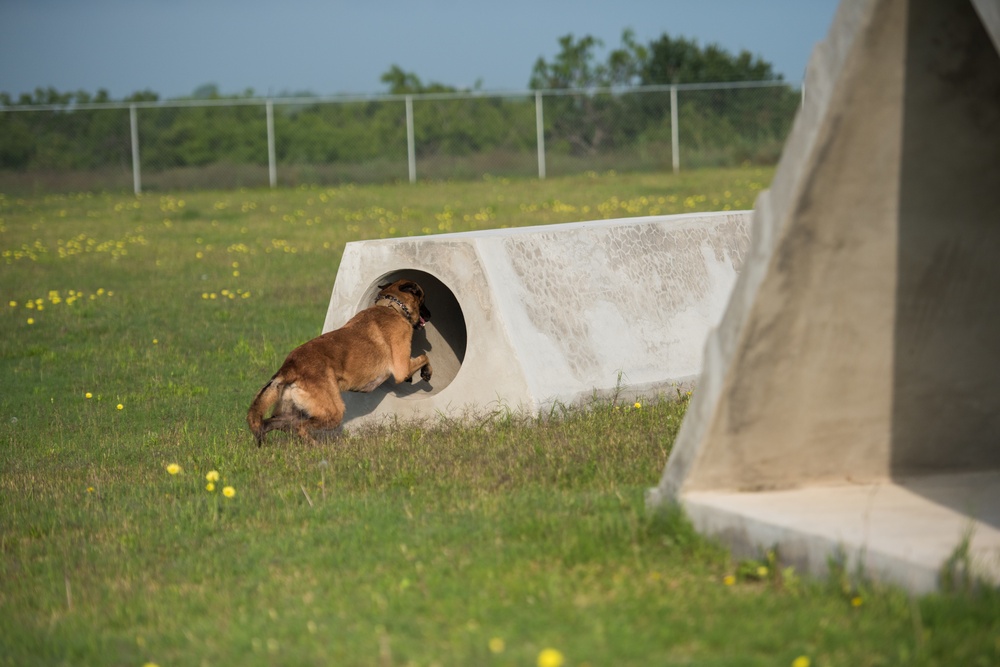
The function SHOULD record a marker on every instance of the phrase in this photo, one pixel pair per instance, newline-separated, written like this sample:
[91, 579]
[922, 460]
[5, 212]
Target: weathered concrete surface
[524, 318]
[862, 341]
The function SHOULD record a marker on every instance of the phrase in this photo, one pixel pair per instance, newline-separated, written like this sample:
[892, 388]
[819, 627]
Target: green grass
[411, 544]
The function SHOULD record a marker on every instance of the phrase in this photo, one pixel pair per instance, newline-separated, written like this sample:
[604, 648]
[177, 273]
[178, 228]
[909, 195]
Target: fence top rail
[383, 97]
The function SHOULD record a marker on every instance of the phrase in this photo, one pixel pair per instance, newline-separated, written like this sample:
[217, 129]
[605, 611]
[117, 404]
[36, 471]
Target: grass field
[134, 332]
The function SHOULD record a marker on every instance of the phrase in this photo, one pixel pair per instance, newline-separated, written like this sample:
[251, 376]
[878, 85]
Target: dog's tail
[262, 402]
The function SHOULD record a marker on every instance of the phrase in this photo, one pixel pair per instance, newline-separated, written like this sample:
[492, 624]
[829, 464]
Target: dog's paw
[425, 373]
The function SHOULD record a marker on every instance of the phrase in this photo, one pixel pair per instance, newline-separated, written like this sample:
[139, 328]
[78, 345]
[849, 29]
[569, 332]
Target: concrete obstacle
[850, 399]
[526, 318]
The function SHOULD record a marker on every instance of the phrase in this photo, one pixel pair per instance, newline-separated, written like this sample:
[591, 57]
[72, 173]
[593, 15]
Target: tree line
[743, 124]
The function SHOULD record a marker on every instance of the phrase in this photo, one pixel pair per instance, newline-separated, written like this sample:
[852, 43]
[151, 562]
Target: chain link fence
[233, 143]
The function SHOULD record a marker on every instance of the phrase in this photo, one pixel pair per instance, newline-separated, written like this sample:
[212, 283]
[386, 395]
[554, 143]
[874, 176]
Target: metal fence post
[411, 150]
[133, 117]
[675, 147]
[540, 134]
[272, 167]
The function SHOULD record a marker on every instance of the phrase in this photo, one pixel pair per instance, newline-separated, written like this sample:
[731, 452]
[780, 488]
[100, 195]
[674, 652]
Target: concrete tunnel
[525, 318]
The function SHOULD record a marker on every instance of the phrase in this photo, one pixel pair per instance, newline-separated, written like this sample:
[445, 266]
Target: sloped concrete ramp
[851, 395]
[525, 318]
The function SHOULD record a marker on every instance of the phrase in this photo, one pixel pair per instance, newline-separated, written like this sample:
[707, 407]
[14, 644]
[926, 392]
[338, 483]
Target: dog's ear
[412, 288]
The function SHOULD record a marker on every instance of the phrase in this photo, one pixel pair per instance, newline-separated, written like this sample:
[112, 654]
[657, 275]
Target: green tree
[448, 127]
[721, 126]
[577, 65]
[142, 96]
[584, 123]
[729, 123]
[401, 82]
[573, 67]
[680, 60]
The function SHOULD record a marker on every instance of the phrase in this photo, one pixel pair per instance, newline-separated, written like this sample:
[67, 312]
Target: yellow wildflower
[729, 580]
[120, 406]
[228, 492]
[637, 405]
[210, 486]
[497, 645]
[173, 468]
[212, 476]
[550, 657]
[801, 661]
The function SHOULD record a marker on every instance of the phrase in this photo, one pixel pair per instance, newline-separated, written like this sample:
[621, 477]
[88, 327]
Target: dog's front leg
[421, 363]
[424, 364]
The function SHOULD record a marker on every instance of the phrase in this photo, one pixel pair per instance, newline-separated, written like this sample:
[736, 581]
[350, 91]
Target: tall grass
[152, 321]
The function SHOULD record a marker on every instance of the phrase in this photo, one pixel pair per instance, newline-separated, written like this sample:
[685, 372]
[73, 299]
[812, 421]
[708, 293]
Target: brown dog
[374, 345]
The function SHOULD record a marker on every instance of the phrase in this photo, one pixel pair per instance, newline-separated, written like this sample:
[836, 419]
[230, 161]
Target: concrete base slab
[901, 532]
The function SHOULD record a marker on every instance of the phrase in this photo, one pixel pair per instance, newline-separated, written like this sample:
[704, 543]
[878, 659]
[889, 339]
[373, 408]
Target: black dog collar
[389, 297]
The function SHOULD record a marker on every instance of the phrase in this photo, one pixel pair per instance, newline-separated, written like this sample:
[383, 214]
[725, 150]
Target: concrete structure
[850, 400]
[525, 318]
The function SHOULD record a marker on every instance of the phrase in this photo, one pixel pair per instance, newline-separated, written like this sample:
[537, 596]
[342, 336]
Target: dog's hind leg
[286, 417]
[300, 423]
[277, 423]
[319, 413]
[304, 431]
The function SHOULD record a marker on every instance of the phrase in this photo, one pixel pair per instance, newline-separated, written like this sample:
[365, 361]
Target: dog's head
[411, 296]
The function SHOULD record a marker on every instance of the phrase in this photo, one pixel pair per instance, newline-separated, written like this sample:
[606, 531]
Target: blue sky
[327, 47]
